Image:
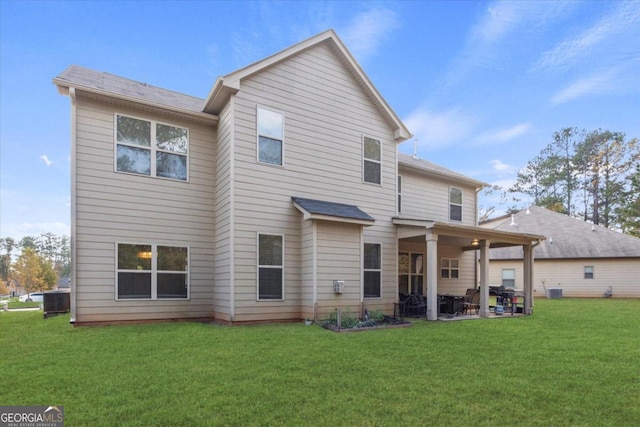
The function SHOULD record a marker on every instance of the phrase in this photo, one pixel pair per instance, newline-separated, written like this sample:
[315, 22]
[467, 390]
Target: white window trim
[456, 204]
[372, 269]
[259, 266]
[364, 160]
[153, 272]
[152, 147]
[271, 110]
[450, 269]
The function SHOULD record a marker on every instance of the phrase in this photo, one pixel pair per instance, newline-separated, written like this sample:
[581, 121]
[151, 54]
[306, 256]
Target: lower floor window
[449, 268]
[270, 267]
[410, 273]
[372, 270]
[152, 271]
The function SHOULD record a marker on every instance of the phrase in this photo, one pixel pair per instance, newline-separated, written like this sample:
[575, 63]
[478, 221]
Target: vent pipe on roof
[513, 220]
[528, 212]
[415, 149]
[593, 227]
[551, 240]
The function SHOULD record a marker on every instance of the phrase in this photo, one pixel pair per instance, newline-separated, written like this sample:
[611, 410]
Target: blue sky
[482, 85]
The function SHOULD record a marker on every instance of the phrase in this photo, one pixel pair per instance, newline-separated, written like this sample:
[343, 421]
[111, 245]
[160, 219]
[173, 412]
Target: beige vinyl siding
[467, 270]
[326, 115]
[621, 274]
[427, 197]
[308, 255]
[115, 207]
[223, 212]
[339, 254]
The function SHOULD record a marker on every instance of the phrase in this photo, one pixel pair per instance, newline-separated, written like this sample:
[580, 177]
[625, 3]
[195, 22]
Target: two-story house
[280, 196]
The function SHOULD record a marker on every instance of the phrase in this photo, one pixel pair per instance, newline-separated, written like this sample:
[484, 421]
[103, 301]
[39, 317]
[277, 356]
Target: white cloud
[503, 22]
[368, 30]
[625, 17]
[600, 83]
[501, 17]
[46, 160]
[503, 135]
[499, 166]
[435, 130]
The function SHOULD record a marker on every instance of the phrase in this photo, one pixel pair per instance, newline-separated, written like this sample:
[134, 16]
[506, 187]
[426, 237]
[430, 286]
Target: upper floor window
[270, 137]
[146, 147]
[399, 194]
[372, 158]
[455, 204]
[588, 272]
[270, 267]
[147, 271]
[372, 270]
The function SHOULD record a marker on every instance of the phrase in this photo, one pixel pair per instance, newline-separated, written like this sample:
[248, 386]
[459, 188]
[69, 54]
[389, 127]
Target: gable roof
[229, 84]
[424, 166]
[112, 86]
[319, 209]
[567, 238]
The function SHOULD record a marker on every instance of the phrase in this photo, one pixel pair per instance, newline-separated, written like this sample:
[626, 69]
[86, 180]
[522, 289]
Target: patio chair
[416, 306]
[400, 308]
[471, 301]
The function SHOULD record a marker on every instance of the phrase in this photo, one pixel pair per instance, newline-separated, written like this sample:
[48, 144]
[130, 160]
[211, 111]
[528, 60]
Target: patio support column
[432, 276]
[484, 278]
[528, 278]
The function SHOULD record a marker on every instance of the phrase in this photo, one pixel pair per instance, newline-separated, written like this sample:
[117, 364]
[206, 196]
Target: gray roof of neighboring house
[80, 77]
[339, 210]
[428, 167]
[567, 237]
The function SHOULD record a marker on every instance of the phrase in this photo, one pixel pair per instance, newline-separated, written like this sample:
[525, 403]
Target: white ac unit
[338, 286]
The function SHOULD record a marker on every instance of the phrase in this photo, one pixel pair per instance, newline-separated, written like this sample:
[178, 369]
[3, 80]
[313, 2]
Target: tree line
[593, 175]
[35, 262]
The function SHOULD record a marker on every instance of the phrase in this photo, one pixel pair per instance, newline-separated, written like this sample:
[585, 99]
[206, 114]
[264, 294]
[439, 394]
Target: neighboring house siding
[621, 274]
[115, 207]
[223, 205]
[428, 198]
[325, 116]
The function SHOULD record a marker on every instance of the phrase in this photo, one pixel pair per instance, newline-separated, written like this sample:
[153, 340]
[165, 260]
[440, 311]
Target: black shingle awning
[331, 211]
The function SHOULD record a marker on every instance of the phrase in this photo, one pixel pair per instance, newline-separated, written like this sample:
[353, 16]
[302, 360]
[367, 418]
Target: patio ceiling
[457, 235]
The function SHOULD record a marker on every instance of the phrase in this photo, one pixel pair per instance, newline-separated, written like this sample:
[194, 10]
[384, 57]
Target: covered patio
[433, 237]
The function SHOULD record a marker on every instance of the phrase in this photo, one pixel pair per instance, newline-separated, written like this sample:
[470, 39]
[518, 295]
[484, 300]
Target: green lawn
[574, 363]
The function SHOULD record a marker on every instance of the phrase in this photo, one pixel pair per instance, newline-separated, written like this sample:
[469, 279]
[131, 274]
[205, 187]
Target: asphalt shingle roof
[339, 210]
[567, 238]
[427, 166]
[84, 77]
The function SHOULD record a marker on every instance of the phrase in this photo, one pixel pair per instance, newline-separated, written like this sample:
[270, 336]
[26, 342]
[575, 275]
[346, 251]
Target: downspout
[73, 286]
